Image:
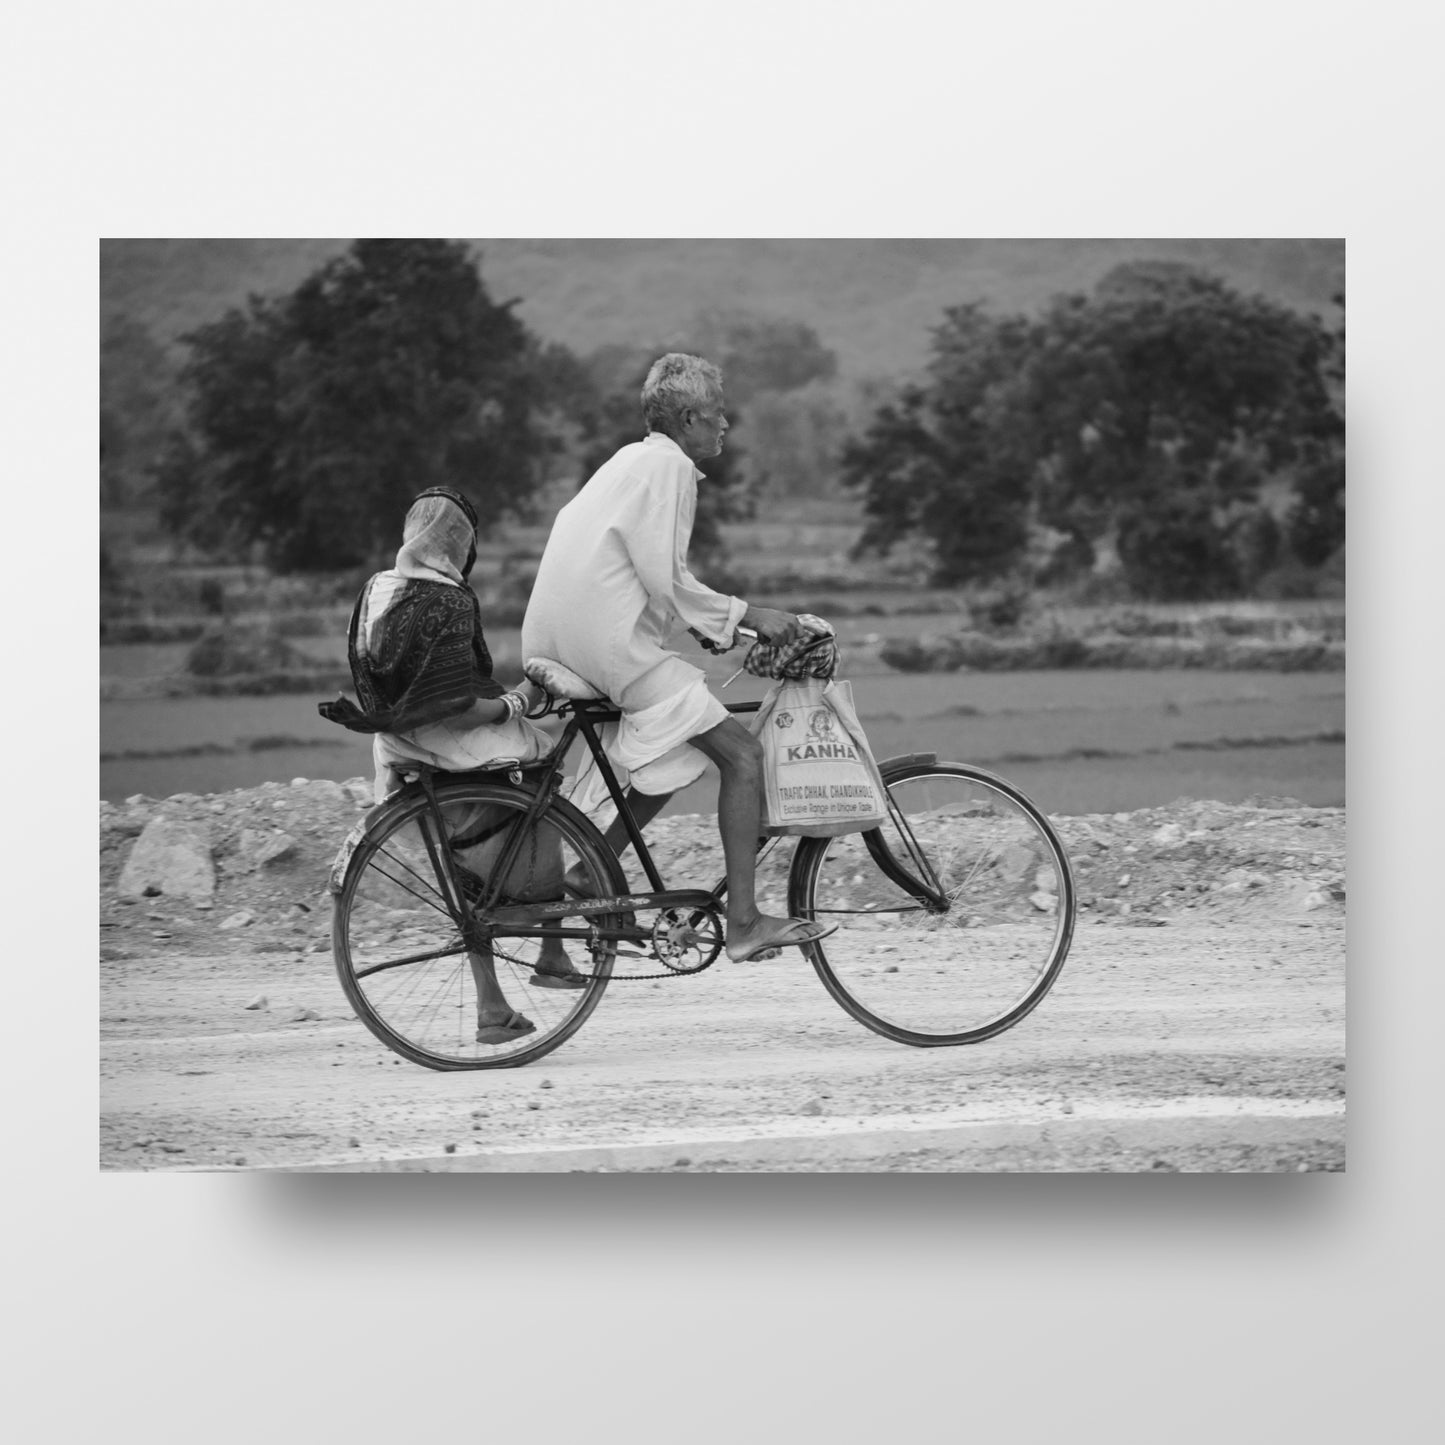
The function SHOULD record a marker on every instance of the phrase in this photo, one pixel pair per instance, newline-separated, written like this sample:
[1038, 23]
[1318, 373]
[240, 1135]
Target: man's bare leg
[739, 758]
[644, 807]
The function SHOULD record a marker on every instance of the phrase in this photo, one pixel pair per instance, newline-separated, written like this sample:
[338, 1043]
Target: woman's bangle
[516, 704]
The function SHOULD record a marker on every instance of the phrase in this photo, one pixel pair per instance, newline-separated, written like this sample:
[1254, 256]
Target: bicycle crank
[686, 940]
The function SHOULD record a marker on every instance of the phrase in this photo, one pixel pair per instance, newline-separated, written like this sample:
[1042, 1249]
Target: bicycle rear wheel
[401, 957]
[956, 913]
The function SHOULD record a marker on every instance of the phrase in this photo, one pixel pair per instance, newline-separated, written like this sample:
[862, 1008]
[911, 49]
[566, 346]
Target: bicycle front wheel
[401, 957]
[955, 914]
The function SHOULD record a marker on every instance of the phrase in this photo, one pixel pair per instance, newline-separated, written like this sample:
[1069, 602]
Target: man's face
[703, 429]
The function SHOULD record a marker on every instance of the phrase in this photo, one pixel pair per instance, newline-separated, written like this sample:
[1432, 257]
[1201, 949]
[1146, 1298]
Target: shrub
[1003, 607]
[230, 651]
[1173, 550]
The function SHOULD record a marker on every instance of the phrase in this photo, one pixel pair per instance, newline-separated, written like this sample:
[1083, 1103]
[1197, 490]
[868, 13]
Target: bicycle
[956, 913]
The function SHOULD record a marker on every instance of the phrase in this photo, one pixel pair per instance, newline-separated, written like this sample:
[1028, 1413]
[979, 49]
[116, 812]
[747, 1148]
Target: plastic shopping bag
[819, 775]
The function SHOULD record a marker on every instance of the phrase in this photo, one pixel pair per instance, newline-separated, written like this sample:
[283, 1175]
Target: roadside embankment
[247, 869]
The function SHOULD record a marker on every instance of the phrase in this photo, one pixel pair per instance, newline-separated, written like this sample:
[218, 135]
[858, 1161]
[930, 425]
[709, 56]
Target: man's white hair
[675, 384]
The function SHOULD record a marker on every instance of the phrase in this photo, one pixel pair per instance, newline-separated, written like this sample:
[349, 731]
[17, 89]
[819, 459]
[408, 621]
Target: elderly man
[613, 588]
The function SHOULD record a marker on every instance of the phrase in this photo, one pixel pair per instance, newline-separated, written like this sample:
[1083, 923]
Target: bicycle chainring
[687, 940]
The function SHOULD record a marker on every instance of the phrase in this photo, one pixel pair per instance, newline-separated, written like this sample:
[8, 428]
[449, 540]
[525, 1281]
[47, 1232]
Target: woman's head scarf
[439, 538]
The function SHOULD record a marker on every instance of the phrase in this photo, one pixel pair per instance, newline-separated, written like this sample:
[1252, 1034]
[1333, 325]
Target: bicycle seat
[560, 681]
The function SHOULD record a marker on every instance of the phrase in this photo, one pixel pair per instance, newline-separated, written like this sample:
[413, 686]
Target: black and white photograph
[722, 811]
[715, 706]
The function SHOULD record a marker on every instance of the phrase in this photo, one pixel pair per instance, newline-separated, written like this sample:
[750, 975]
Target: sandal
[795, 934]
[514, 1026]
[546, 978]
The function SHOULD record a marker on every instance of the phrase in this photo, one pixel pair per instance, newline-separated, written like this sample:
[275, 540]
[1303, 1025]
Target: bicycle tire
[996, 936]
[399, 953]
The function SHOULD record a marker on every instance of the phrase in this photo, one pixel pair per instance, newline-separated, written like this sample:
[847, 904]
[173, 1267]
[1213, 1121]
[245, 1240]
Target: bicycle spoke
[406, 966]
[923, 974]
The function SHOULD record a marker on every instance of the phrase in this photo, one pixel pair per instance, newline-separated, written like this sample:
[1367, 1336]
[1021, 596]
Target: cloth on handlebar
[813, 656]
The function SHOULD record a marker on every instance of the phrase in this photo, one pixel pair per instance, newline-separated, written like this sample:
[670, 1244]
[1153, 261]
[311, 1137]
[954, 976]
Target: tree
[794, 439]
[1155, 407]
[137, 410]
[1315, 523]
[938, 463]
[759, 353]
[313, 419]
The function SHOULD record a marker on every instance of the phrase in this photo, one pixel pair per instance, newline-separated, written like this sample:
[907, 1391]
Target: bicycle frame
[584, 717]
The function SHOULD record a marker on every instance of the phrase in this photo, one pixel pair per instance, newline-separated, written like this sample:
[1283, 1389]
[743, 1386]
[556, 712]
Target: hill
[873, 302]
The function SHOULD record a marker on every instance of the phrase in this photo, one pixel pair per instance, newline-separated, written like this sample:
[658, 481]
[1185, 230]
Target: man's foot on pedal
[769, 936]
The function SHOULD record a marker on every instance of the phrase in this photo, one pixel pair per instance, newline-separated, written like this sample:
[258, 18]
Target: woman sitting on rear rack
[423, 674]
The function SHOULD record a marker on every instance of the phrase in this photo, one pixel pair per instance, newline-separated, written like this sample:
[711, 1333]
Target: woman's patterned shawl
[427, 661]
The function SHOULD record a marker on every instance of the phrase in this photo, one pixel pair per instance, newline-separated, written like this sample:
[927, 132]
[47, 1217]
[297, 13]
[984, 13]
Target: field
[1089, 741]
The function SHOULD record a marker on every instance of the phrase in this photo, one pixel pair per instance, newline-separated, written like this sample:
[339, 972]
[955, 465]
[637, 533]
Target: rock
[1044, 902]
[1014, 862]
[811, 1107]
[1046, 881]
[300, 1015]
[240, 919]
[172, 857]
[259, 847]
[260, 1001]
[360, 790]
[892, 968]
[1316, 899]
[324, 791]
[1171, 835]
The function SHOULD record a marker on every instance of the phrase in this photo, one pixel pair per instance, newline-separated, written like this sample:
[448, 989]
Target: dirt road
[1200, 1047]
[1198, 1024]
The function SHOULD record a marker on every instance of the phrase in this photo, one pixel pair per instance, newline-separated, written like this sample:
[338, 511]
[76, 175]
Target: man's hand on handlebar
[708, 645]
[773, 626]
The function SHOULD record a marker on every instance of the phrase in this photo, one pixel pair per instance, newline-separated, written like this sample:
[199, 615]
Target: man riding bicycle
[613, 589]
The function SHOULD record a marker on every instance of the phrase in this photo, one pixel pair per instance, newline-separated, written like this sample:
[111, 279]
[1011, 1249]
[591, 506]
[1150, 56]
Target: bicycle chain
[624, 977]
